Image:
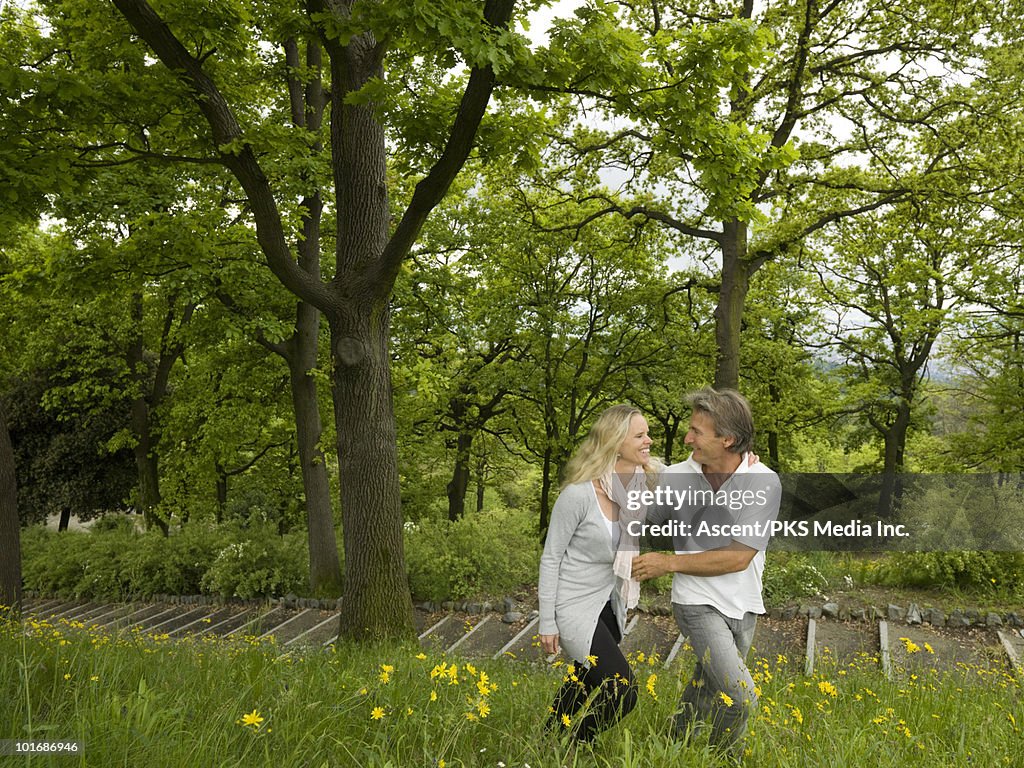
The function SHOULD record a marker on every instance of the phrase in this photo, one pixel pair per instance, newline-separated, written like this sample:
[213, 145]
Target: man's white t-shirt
[734, 594]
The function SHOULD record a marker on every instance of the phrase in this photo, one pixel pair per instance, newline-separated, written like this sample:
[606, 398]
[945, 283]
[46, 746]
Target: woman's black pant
[611, 678]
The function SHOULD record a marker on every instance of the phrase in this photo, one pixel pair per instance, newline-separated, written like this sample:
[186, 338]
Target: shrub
[789, 575]
[965, 570]
[113, 561]
[260, 565]
[482, 553]
[175, 564]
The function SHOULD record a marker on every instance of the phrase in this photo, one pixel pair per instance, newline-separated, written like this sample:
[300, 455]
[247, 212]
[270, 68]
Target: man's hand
[549, 643]
[651, 565]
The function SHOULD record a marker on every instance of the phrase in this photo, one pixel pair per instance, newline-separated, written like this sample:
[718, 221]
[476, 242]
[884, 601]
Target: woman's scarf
[625, 490]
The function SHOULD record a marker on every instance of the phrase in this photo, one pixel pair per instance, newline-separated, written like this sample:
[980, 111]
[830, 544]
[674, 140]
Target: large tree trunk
[376, 600]
[729, 311]
[10, 525]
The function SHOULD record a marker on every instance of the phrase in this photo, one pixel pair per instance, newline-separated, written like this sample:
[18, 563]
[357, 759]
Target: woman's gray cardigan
[576, 578]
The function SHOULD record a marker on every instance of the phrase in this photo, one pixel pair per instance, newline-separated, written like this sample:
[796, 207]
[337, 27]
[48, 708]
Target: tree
[896, 281]
[744, 127]
[591, 326]
[368, 252]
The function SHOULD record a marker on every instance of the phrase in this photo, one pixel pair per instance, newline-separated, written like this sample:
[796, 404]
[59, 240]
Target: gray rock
[789, 612]
[973, 614]
[993, 620]
[830, 610]
[533, 614]
[474, 608]
[958, 619]
[448, 605]
[814, 612]
[859, 614]
[844, 613]
[1014, 620]
[509, 604]
[896, 612]
[914, 615]
[876, 613]
[935, 617]
[511, 617]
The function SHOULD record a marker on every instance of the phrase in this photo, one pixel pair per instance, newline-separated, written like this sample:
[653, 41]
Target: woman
[582, 601]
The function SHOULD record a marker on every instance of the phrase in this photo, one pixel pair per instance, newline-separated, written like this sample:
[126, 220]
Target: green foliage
[790, 575]
[262, 564]
[115, 561]
[175, 564]
[489, 552]
[60, 458]
[971, 571]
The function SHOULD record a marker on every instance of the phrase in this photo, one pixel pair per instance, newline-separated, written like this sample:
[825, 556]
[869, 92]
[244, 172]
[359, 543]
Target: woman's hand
[549, 643]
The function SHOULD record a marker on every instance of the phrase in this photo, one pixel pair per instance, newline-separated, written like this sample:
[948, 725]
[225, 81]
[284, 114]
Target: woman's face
[636, 448]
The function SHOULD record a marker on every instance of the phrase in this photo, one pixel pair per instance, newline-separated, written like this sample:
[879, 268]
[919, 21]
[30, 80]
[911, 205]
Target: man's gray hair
[730, 413]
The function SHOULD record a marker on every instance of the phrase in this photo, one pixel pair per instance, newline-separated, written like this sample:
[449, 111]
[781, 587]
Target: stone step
[488, 636]
[200, 625]
[446, 631]
[919, 649]
[177, 621]
[840, 644]
[261, 621]
[64, 610]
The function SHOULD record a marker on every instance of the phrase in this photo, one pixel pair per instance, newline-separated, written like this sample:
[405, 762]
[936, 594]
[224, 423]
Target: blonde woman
[583, 601]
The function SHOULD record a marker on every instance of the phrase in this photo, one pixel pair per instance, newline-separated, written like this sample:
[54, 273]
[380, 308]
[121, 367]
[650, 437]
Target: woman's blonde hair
[596, 456]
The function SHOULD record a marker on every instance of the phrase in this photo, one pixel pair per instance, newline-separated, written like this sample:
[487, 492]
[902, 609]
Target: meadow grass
[134, 699]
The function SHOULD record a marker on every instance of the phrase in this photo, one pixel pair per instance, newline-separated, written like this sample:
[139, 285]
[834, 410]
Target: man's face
[708, 448]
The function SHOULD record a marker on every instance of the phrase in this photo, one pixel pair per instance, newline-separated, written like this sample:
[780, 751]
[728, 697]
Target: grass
[135, 699]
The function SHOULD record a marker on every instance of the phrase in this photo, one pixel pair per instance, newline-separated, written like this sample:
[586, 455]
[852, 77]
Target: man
[722, 508]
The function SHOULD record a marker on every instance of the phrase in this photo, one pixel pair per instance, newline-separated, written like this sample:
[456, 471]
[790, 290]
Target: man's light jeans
[720, 645]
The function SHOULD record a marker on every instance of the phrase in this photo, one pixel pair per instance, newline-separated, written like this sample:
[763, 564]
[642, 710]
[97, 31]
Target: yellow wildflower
[910, 645]
[651, 682]
[726, 698]
[377, 713]
[253, 719]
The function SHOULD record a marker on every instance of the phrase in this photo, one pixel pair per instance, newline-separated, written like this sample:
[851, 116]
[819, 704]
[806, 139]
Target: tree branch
[236, 154]
[432, 188]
